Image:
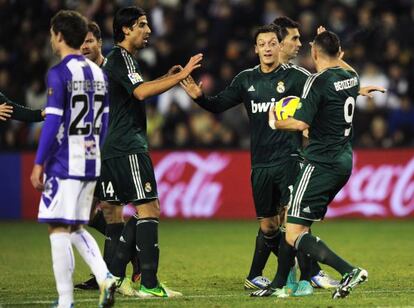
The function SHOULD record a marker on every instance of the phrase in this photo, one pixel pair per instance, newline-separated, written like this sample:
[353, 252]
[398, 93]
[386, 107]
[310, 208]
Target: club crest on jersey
[50, 91]
[148, 187]
[280, 88]
[135, 78]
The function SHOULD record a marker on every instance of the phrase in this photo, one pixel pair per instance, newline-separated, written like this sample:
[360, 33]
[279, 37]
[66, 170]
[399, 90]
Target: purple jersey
[76, 119]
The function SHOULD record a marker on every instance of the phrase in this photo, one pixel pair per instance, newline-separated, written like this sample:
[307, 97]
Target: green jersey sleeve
[124, 69]
[310, 100]
[21, 113]
[231, 96]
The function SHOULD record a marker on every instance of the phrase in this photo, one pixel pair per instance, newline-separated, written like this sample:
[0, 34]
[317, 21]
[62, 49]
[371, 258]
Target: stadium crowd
[377, 40]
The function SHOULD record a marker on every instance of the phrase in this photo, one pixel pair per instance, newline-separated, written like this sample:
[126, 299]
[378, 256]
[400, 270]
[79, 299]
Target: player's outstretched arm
[369, 90]
[158, 86]
[289, 124]
[193, 89]
[5, 111]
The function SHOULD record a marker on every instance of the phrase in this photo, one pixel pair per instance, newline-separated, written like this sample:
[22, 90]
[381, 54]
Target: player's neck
[268, 68]
[324, 64]
[100, 60]
[67, 51]
[127, 46]
[283, 58]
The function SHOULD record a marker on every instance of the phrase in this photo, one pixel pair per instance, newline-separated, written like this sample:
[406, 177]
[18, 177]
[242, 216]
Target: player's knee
[291, 238]
[112, 213]
[149, 209]
[269, 225]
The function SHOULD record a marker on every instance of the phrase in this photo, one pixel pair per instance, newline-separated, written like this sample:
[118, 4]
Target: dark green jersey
[328, 104]
[260, 91]
[22, 113]
[127, 119]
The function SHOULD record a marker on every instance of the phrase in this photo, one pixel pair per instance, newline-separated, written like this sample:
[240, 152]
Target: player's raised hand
[5, 111]
[191, 65]
[193, 89]
[174, 70]
[368, 91]
[320, 30]
[37, 177]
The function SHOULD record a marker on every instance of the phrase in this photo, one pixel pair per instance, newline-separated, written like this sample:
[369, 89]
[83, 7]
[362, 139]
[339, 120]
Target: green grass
[208, 260]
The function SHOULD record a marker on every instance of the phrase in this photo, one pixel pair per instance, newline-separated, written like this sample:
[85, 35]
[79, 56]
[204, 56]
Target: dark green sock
[98, 222]
[305, 266]
[318, 251]
[285, 261]
[125, 249]
[112, 235]
[315, 268]
[272, 240]
[260, 256]
[148, 251]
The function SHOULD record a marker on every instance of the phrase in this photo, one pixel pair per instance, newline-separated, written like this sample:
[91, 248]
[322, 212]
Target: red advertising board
[216, 184]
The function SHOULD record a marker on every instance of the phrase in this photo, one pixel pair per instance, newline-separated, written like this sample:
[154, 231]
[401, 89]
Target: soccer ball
[286, 107]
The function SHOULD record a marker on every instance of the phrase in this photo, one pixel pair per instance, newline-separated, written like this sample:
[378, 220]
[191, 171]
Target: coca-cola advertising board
[216, 184]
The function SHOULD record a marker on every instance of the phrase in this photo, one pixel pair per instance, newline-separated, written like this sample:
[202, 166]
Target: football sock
[260, 256]
[136, 267]
[305, 266]
[272, 240]
[63, 266]
[89, 251]
[112, 235]
[318, 251]
[148, 251]
[125, 249]
[98, 222]
[315, 268]
[285, 260]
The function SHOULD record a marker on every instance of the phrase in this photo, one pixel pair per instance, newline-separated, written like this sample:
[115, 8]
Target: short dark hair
[94, 28]
[329, 43]
[285, 23]
[125, 17]
[72, 25]
[266, 29]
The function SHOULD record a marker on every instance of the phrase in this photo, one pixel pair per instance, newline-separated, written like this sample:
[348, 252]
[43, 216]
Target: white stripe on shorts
[303, 184]
[133, 161]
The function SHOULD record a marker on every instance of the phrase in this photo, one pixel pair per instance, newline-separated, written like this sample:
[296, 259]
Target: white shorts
[66, 201]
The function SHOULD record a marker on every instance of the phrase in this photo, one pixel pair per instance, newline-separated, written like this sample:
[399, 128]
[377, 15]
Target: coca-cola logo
[371, 188]
[186, 184]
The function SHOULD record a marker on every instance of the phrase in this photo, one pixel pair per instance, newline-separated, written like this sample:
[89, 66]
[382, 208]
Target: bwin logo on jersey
[280, 88]
[262, 107]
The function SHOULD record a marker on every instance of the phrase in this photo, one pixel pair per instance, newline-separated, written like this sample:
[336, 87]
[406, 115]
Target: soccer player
[127, 171]
[327, 109]
[14, 111]
[68, 158]
[92, 49]
[273, 153]
[289, 47]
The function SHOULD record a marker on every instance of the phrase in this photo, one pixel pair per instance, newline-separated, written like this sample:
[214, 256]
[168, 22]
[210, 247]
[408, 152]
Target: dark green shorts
[272, 187]
[127, 179]
[314, 189]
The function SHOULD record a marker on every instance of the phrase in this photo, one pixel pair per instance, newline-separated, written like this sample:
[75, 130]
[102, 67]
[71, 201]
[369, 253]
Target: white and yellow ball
[286, 107]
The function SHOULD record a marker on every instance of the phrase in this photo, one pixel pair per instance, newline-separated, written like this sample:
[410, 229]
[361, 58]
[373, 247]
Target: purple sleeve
[49, 132]
[55, 93]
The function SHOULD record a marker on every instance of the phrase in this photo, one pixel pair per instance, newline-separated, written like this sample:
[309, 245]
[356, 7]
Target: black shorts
[127, 179]
[272, 187]
[314, 189]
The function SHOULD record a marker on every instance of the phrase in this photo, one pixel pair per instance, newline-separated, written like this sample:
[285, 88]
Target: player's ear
[126, 30]
[256, 51]
[59, 37]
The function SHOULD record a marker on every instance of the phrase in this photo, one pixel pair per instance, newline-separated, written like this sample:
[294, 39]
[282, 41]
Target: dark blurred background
[377, 37]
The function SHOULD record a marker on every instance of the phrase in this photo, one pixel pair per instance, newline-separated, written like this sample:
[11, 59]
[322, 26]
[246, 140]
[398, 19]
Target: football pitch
[208, 261]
